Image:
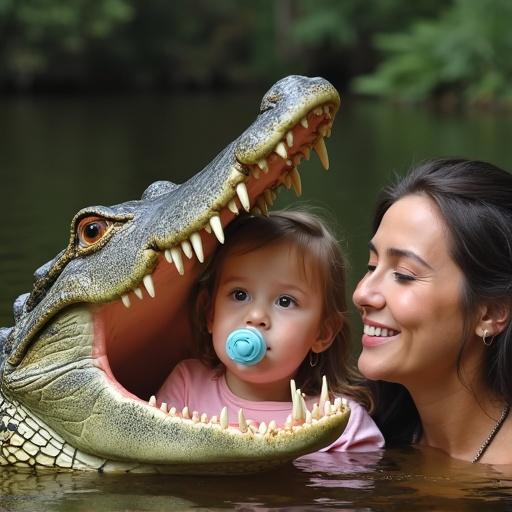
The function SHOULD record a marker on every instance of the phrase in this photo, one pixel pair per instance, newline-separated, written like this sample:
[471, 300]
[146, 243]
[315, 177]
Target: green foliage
[37, 34]
[466, 51]
[168, 43]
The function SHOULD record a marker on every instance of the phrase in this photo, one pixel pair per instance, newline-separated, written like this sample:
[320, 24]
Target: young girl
[283, 275]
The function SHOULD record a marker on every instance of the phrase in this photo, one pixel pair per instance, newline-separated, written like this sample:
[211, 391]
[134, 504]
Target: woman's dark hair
[475, 200]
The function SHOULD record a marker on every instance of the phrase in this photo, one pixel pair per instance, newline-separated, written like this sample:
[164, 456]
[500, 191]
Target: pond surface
[58, 155]
[410, 480]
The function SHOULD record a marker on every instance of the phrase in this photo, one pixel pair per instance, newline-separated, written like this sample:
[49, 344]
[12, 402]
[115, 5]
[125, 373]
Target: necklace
[492, 434]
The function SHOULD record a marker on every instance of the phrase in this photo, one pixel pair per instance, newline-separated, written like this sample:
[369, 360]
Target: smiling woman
[436, 308]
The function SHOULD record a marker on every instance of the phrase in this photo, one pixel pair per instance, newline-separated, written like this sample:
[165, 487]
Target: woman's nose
[368, 294]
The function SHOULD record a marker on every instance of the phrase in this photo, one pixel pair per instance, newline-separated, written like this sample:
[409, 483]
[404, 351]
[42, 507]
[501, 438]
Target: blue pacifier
[246, 346]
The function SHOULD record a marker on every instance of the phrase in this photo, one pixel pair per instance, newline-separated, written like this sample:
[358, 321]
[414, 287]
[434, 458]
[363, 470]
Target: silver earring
[487, 342]
[313, 359]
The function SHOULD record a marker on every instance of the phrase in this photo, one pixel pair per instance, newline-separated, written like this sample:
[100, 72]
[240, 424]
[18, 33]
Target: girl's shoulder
[194, 370]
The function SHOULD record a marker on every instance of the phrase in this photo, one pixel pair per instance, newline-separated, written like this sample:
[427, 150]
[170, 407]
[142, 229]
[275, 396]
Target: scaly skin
[107, 318]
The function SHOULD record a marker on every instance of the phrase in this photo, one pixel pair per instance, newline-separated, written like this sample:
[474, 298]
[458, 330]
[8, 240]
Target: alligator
[107, 318]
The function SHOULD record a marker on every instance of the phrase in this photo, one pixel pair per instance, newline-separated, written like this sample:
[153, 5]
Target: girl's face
[267, 289]
[410, 299]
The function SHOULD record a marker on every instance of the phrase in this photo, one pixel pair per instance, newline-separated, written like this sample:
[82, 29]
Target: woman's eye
[403, 277]
[92, 229]
[285, 301]
[371, 267]
[240, 295]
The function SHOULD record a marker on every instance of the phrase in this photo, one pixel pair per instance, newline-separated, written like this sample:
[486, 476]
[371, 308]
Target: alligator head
[107, 317]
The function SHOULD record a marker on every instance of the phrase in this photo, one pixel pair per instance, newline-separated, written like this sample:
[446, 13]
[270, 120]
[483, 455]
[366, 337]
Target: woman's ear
[326, 334]
[492, 318]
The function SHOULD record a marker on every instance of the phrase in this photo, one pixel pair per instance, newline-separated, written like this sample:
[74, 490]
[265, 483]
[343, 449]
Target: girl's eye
[284, 301]
[240, 295]
[92, 229]
[371, 267]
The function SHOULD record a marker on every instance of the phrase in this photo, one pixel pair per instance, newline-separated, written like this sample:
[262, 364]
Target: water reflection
[413, 480]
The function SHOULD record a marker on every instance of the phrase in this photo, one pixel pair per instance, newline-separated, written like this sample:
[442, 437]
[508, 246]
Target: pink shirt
[194, 385]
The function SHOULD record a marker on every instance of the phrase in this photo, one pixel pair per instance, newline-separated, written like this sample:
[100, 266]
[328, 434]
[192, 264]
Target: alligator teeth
[262, 205]
[172, 411]
[148, 284]
[255, 211]
[168, 255]
[197, 244]
[297, 159]
[297, 185]
[233, 207]
[321, 151]
[304, 122]
[272, 426]
[324, 393]
[242, 423]
[318, 111]
[255, 173]
[177, 260]
[323, 130]
[152, 400]
[208, 229]
[262, 429]
[126, 301]
[204, 418]
[289, 139]
[138, 293]
[243, 196]
[315, 413]
[224, 418]
[216, 225]
[306, 151]
[281, 150]
[195, 417]
[327, 408]
[185, 413]
[267, 194]
[287, 180]
[298, 412]
[187, 249]
[262, 164]
[163, 407]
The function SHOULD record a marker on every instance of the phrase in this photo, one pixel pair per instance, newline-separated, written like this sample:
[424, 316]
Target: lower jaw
[375, 341]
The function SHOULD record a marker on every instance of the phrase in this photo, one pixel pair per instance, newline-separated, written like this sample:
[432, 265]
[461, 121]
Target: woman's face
[410, 298]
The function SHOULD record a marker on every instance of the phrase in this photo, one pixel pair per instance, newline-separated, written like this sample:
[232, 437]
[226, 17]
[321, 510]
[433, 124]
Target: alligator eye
[92, 229]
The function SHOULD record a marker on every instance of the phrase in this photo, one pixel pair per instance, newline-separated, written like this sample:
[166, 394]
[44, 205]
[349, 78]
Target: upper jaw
[251, 186]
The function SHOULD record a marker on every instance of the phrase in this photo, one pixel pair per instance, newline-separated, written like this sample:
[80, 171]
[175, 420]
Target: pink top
[191, 383]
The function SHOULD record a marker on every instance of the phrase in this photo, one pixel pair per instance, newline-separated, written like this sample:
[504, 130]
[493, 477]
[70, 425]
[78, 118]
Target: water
[411, 480]
[58, 155]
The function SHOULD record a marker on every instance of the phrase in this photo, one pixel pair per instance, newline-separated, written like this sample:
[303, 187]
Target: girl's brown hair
[319, 252]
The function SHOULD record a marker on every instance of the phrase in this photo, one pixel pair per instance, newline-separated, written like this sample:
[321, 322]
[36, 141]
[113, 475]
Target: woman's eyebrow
[401, 253]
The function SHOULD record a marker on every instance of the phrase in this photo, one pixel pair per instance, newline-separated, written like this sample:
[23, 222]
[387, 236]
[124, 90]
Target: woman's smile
[374, 335]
